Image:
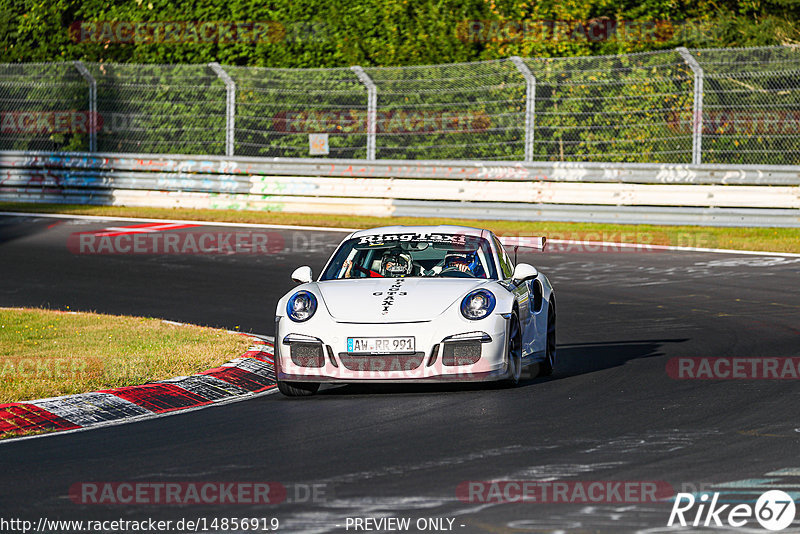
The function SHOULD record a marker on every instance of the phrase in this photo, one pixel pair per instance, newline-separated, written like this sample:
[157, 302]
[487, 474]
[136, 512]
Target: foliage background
[331, 33]
[588, 107]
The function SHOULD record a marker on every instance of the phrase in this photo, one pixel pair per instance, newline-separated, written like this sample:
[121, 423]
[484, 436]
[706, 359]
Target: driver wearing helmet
[396, 264]
[457, 261]
[464, 262]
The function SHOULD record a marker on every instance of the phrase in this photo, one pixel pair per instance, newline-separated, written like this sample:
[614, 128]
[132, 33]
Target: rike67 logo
[774, 510]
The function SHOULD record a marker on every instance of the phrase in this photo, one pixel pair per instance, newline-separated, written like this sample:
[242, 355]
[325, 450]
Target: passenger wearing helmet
[396, 264]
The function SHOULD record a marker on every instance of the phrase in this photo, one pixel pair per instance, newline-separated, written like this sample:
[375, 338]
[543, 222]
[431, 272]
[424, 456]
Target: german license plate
[380, 344]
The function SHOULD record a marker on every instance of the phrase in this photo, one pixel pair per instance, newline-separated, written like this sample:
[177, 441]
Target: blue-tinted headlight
[478, 304]
[301, 306]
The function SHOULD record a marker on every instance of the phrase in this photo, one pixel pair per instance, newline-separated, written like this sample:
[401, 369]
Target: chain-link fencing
[177, 109]
[276, 109]
[44, 106]
[613, 108]
[738, 106]
[751, 105]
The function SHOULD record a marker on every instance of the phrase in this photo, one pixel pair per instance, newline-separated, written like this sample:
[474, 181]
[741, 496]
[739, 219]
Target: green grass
[739, 238]
[45, 353]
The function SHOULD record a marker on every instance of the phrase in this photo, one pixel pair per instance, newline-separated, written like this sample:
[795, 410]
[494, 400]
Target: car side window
[505, 262]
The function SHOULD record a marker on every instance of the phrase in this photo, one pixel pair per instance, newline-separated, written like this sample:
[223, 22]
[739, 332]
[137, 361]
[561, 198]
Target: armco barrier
[600, 192]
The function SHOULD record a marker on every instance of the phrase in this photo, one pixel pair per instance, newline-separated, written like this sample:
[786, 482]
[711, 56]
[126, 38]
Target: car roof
[440, 229]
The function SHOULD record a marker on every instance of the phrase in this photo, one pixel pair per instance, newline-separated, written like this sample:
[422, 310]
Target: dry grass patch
[45, 353]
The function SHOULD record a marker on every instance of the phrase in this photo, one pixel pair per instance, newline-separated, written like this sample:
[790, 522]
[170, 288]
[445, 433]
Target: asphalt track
[610, 412]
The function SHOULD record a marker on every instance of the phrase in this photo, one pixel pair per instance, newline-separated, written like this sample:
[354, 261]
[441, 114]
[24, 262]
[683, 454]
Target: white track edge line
[333, 229]
[177, 221]
[657, 248]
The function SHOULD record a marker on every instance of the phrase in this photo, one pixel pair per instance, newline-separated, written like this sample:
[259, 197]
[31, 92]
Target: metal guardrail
[689, 216]
[601, 192]
[643, 173]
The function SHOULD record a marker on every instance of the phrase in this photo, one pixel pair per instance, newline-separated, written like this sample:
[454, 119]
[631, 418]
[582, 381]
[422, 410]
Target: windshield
[412, 255]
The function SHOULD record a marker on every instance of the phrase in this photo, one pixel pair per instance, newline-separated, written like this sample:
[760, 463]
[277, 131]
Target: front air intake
[461, 352]
[381, 362]
[307, 354]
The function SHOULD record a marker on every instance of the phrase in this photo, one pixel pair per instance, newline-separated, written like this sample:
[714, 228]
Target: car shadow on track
[398, 389]
[581, 358]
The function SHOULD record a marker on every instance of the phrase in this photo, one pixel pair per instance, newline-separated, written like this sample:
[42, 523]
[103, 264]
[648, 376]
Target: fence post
[697, 108]
[530, 104]
[92, 103]
[230, 106]
[372, 109]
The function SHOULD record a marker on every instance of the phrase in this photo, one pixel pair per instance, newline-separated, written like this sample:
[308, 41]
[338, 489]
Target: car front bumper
[306, 352]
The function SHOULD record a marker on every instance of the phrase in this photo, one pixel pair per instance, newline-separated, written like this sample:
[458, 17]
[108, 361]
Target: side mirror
[524, 272]
[302, 275]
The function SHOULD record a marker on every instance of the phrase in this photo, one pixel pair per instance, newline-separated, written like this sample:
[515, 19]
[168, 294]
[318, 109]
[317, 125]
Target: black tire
[514, 351]
[298, 389]
[546, 367]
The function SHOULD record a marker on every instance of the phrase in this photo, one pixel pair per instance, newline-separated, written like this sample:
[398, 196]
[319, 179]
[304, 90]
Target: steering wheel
[455, 272]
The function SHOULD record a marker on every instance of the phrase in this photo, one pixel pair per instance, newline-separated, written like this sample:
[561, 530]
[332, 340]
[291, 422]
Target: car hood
[390, 300]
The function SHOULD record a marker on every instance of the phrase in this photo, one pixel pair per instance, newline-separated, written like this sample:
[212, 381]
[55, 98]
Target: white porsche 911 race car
[416, 304]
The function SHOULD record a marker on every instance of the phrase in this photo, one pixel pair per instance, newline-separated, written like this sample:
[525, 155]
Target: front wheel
[549, 363]
[514, 351]
[298, 389]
